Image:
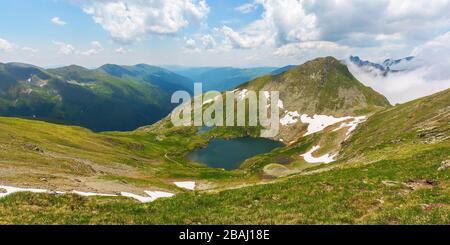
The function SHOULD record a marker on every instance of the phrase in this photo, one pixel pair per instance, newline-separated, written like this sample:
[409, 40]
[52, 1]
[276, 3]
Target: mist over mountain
[422, 73]
[386, 67]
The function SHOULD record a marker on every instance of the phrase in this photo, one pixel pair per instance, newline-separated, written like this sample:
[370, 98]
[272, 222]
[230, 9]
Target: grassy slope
[32, 150]
[388, 174]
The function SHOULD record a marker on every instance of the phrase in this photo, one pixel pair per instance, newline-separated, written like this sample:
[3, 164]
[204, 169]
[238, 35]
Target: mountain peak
[322, 85]
[384, 68]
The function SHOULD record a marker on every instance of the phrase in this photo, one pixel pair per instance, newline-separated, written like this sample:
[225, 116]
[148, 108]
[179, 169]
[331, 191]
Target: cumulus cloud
[430, 73]
[64, 48]
[121, 50]
[208, 42]
[68, 49]
[254, 36]
[5, 45]
[356, 23]
[58, 21]
[202, 42]
[128, 20]
[190, 45]
[30, 51]
[246, 8]
[435, 56]
[312, 49]
[96, 48]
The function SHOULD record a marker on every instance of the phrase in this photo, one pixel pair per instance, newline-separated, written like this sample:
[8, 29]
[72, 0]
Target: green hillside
[94, 99]
[322, 86]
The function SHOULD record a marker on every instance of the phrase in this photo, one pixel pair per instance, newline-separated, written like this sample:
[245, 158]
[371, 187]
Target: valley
[343, 155]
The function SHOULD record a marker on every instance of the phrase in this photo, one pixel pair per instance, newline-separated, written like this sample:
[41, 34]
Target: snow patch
[10, 190]
[91, 194]
[291, 117]
[327, 158]
[280, 104]
[159, 194]
[318, 123]
[351, 125]
[152, 195]
[190, 185]
[143, 199]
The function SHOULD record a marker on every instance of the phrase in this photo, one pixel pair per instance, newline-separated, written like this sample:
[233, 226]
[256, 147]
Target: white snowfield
[190, 185]
[11, 190]
[327, 158]
[152, 195]
[318, 123]
[290, 118]
[351, 125]
[91, 194]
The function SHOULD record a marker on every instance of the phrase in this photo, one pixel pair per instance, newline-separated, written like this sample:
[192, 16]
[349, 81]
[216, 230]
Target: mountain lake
[230, 154]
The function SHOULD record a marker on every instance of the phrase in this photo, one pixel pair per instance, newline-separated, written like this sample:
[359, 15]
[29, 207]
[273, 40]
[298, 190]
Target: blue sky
[214, 33]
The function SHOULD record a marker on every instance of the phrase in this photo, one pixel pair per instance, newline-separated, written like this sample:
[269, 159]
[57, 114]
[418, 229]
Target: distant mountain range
[386, 67]
[111, 97]
[221, 78]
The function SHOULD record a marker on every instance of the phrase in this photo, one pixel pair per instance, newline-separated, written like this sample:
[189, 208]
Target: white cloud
[190, 45]
[68, 49]
[64, 48]
[435, 56]
[356, 23]
[5, 45]
[30, 51]
[121, 50]
[246, 8]
[252, 38]
[311, 49]
[282, 22]
[208, 42]
[433, 75]
[58, 21]
[128, 20]
[96, 48]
